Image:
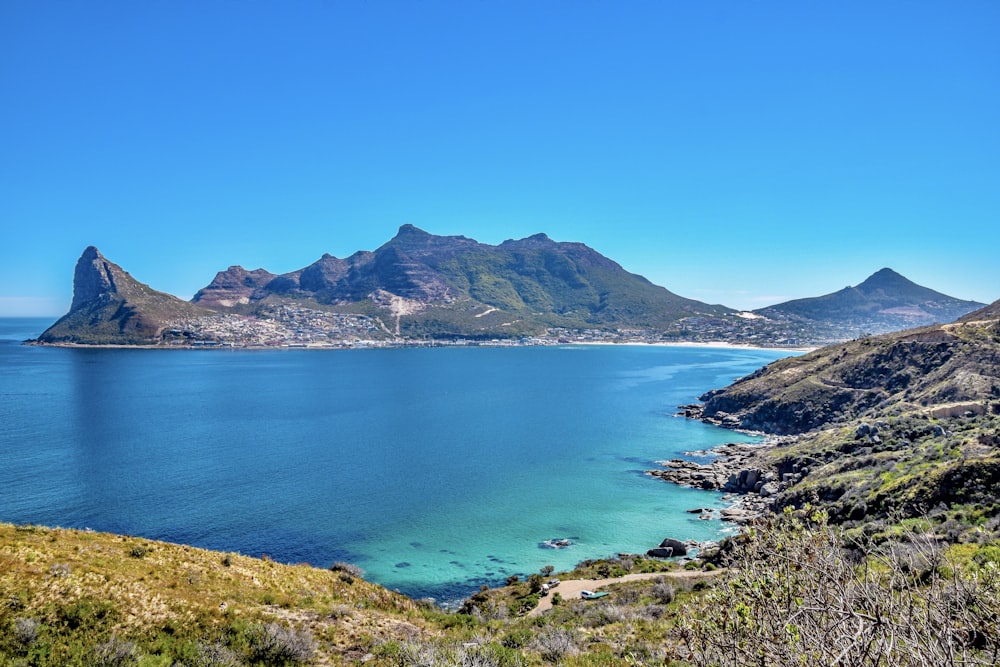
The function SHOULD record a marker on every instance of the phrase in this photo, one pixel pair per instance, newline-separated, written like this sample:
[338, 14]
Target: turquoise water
[435, 470]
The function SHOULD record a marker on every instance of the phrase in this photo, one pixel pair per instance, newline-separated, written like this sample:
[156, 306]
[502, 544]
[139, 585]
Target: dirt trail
[571, 588]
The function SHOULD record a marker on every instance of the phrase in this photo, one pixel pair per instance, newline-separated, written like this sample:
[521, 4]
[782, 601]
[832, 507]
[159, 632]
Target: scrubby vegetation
[793, 590]
[799, 591]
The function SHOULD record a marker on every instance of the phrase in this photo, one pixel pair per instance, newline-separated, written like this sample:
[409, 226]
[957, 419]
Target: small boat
[591, 595]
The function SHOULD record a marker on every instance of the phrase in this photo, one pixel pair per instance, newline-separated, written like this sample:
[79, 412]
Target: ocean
[435, 470]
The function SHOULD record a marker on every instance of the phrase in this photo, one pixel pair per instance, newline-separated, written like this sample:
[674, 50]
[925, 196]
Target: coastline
[399, 344]
[737, 469]
[715, 345]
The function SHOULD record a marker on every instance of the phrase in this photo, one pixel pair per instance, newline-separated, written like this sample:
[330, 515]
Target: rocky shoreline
[736, 469]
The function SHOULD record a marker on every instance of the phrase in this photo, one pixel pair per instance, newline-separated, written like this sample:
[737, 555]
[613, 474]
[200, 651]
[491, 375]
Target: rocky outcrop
[110, 307]
[731, 469]
[232, 287]
[669, 548]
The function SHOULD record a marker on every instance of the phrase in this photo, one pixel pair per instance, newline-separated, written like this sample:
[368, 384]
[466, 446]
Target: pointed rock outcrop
[110, 307]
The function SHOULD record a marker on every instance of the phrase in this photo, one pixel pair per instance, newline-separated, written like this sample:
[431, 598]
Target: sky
[743, 153]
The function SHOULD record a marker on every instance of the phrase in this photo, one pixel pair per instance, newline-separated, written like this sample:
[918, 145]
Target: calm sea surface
[435, 470]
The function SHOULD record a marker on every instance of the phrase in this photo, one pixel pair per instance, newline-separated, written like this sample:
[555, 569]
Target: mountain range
[419, 285]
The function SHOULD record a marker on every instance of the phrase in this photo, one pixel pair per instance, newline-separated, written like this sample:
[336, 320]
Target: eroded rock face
[110, 307]
[232, 287]
[93, 279]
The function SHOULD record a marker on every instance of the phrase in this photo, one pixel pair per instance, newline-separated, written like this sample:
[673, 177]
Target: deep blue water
[434, 470]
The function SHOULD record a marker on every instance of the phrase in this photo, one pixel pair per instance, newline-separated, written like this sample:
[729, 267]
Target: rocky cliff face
[232, 287]
[111, 307]
[93, 279]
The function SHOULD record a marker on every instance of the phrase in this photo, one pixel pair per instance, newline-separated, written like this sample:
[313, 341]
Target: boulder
[661, 552]
[769, 489]
[678, 547]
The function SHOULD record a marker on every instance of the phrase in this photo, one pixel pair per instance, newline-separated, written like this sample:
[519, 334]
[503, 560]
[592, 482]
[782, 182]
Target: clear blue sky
[735, 152]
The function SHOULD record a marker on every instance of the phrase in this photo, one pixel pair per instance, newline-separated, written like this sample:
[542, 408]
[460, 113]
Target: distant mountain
[417, 285]
[945, 369]
[111, 307]
[452, 285]
[885, 302]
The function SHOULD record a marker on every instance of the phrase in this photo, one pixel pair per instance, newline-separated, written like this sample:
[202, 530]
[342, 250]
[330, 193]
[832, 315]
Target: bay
[435, 470]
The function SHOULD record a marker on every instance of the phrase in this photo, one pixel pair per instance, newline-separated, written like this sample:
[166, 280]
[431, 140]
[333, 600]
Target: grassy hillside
[791, 595]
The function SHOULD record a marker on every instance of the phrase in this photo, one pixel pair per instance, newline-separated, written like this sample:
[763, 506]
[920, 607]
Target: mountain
[885, 302]
[111, 307]
[232, 287]
[939, 370]
[418, 286]
[453, 285]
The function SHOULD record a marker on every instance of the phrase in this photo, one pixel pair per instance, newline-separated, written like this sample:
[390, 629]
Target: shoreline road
[571, 588]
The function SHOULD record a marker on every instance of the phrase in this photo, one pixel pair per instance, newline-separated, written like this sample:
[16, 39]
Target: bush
[274, 643]
[663, 592]
[26, 631]
[217, 655]
[115, 653]
[554, 644]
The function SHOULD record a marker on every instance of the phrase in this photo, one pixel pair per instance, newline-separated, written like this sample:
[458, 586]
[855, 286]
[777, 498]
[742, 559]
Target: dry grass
[149, 586]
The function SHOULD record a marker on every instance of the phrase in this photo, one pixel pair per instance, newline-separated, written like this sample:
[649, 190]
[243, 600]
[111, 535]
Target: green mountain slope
[453, 285]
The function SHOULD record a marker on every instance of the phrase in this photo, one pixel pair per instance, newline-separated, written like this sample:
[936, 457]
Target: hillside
[884, 302]
[111, 307]
[938, 369]
[893, 428]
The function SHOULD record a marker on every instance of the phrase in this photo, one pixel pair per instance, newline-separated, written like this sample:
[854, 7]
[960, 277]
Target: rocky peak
[233, 286]
[410, 232]
[887, 280]
[93, 278]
